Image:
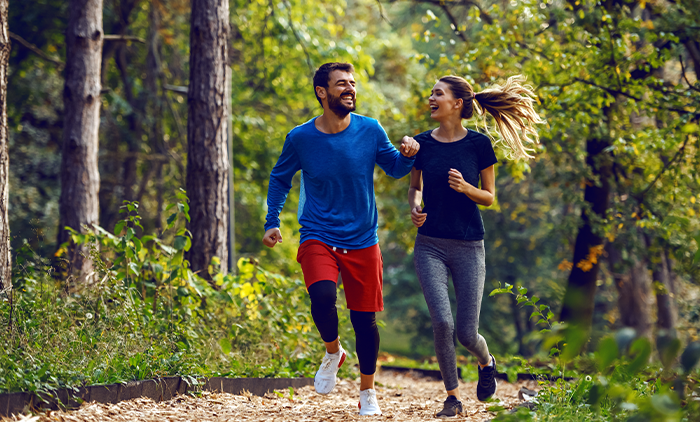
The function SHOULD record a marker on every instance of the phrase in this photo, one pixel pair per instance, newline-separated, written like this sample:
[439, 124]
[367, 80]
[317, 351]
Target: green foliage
[146, 314]
[622, 385]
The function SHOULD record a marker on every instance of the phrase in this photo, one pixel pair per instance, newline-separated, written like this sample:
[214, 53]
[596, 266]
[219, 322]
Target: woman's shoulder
[424, 136]
[478, 137]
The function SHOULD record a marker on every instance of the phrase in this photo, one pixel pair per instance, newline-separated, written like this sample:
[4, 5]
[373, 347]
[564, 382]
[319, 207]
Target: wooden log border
[158, 389]
[435, 373]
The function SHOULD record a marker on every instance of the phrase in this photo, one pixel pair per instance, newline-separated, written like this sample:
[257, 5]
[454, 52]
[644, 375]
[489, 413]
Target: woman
[450, 239]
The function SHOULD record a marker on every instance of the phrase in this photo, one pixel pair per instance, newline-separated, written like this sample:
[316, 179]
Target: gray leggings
[465, 260]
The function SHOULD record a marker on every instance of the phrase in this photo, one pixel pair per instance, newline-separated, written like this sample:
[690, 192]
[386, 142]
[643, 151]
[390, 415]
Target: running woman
[336, 153]
[451, 162]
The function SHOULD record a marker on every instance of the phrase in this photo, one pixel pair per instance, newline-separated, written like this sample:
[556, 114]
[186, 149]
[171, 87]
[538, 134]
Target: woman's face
[442, 103]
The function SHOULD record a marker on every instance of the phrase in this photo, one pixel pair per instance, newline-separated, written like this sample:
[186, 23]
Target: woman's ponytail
[511, 106]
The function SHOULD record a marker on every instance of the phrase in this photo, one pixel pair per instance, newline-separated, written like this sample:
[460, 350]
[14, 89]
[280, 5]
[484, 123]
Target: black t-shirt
[452, 215]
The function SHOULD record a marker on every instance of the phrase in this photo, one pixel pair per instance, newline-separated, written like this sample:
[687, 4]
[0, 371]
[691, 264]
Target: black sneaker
[487, 385]
[450, 408]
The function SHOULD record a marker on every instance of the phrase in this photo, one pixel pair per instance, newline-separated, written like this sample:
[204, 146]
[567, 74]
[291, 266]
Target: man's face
[340, 93]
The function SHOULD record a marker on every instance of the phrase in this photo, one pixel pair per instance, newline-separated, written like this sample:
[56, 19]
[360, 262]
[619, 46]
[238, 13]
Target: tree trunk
[633, 287]
[664, 287]
[578, 303]
[232, 264]
[207, 123]
[5, 258]
[80, 179]
[155, 105]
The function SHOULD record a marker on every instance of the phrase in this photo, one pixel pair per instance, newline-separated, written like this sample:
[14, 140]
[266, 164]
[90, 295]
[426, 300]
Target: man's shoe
[325, 378]
[368, 403]
[487, 385]
[450, 408]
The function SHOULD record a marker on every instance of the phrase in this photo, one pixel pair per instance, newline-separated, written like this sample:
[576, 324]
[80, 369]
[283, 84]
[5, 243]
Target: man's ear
[321, 92]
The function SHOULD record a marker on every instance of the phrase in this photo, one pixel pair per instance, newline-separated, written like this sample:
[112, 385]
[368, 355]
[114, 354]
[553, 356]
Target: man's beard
[336, 105]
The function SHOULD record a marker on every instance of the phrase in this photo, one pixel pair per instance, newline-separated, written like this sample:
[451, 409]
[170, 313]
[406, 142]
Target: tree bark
[578, 303]
[664, 287]
[80, 179]
[633, 287]
[155, 105]
[207, 123]
[5, 257]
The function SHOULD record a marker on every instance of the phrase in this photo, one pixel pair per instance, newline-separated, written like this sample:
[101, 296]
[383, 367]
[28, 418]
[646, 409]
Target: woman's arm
[483, 196]
[415, 197]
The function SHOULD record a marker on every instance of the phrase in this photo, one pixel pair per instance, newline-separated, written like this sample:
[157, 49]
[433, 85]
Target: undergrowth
[144, 313]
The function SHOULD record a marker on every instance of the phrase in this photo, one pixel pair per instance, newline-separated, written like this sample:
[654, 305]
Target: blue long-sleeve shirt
[336, 203]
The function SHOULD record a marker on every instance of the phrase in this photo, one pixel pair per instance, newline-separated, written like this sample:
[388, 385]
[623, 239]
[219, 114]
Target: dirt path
[402, 397]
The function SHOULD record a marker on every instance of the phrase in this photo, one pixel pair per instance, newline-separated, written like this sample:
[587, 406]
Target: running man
[336, 153]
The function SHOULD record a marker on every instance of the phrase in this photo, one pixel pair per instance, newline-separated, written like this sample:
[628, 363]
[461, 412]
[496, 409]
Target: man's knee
[323, 294]
[363, 320]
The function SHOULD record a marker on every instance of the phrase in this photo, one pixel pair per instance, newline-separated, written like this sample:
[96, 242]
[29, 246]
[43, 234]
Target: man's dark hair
[323, 75]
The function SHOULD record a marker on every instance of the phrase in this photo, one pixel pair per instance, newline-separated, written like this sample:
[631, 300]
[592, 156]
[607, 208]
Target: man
[336, 153]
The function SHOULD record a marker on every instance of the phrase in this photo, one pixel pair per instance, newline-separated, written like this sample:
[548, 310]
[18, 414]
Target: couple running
[336, 153]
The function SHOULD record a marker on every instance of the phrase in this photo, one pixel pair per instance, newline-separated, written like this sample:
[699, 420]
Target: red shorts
[361, 270]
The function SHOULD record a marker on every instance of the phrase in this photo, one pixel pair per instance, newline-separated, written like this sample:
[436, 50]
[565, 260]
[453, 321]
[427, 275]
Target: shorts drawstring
[344, 250]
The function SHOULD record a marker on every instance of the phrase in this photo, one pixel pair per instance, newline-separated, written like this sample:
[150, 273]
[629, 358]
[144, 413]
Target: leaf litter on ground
[402, 397]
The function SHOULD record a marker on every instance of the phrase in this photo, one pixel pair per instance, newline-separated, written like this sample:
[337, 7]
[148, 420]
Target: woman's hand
[458, 183]
[417, 216]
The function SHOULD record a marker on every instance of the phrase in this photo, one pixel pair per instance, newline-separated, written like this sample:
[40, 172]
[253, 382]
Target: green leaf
[624, 337]
[668, 350]
[607, 353]
[130, 233]
[690, 128]
[134, 268]
[137, 244]
[640, 351]
[119, 227]
[690, 356]
[535, 299]
[180, 242]
[171, 220]
[225, 345]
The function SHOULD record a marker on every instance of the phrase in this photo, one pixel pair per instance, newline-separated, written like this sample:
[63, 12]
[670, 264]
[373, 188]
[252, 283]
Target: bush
[145, 313]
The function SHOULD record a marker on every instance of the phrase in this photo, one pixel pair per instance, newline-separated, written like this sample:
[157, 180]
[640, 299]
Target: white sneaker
[368, 403]
[325, 378]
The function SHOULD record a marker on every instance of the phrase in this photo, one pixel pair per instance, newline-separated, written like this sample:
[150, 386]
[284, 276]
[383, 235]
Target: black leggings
[323, 297]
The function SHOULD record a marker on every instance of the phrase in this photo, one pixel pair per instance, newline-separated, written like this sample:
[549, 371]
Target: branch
[303, 47]
[640, 195]
[124, 38]
[612, 91]
[454, 22]
[34, 49]
[381, 14]
[174, 88]
[691, 86]
[609, 90]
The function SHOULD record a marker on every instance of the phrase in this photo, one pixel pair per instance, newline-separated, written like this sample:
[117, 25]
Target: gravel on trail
[402, 397]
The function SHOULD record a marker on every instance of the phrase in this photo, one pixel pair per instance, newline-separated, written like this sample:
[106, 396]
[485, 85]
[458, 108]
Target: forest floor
[402, 397]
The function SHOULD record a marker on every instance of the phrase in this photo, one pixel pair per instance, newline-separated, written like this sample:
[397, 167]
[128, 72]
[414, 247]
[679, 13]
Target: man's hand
[409, 146]
[272, 237]
[417, 216]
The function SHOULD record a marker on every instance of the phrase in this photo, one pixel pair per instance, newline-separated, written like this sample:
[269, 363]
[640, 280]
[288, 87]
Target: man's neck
[331, 123]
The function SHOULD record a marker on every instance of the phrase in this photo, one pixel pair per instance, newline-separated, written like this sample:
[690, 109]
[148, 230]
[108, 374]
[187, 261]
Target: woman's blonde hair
[510, 105]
